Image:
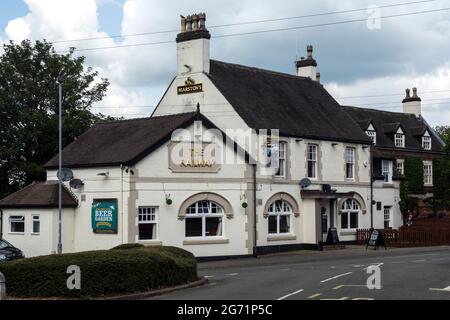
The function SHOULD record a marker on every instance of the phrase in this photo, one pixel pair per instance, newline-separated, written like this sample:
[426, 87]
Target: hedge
[103, 273]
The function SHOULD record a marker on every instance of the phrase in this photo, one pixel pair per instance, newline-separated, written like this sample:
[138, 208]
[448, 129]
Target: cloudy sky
[376, 59]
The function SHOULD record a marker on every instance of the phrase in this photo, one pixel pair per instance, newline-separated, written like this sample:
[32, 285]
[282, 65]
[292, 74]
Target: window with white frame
[399, 140]
[312, 161]
[281, 151]
[349, 214]
[428, 173]
[147, 223]
[280, 213]
[17, 224]
[204, 219]
[372, 135]
[350, 163]
[36, 224]
[387, 217]
[386, 170]
[400, 164]
[426, 142]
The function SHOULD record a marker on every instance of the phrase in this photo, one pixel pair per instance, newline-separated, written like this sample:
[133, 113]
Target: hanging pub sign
[190, 87]
[376, 239]
[104, 216]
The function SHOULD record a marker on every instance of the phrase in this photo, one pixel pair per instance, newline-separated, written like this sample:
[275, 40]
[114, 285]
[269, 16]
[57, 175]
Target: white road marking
[335, 277]
[358, 265]
[343, 298]
[443, 289]
[375, 265]
[349, 285]
[232, 274]
[314, 296]
[209, 277]
[418, 261]
[333, 267]
[290, 294]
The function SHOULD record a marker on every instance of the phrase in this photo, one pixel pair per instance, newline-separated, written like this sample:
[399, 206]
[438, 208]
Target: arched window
[280, 213]
[349, 214]
[204, 219]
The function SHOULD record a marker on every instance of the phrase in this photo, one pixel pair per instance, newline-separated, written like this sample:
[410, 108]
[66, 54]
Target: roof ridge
[283, 74]
[378, 110]
[145, 118]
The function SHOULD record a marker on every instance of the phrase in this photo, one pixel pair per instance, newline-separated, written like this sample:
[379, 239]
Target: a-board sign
[332, 236]
[376, 239]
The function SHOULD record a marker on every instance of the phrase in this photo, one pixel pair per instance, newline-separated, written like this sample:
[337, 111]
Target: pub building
[159, 180]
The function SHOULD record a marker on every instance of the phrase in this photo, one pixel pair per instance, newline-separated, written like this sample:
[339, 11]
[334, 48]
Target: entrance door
[324, 215]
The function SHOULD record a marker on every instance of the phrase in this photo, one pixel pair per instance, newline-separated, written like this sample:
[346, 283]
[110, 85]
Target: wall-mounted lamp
[104, 174]
[365, 147]
[298, 140]
[334, 144]
[130, 171]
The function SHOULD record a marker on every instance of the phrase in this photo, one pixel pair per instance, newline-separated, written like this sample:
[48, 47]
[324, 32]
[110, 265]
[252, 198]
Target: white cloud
[17, 29]
[403, 53]
[435, 105]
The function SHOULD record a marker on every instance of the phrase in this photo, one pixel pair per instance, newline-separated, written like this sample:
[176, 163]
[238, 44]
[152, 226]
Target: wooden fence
[405, 237]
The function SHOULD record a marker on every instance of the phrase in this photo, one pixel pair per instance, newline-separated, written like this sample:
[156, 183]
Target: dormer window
[426, 141]
[372, 135]
[399, 139]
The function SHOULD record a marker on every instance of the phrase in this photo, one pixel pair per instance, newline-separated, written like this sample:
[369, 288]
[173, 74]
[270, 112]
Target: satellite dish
[65, 174]
[76, 183]
[305, 183]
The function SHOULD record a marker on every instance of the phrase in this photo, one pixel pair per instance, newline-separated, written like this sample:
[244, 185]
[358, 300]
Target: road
[419, 273]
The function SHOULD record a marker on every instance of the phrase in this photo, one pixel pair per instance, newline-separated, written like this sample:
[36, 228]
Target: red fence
[405, 237]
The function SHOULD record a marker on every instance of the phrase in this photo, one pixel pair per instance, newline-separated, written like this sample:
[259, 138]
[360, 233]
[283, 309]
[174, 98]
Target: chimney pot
[309, 50]
[414, 93]
[318, 77]
[194, 22]
[202, 21]
[408, 93]
[183, 23]
[188, 23]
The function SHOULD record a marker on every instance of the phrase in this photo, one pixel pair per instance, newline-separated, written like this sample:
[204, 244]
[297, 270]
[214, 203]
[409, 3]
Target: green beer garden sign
[104, 216]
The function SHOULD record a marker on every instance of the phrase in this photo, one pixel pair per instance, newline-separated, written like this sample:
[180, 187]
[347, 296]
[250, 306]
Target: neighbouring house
[398, 136]
[233, 161]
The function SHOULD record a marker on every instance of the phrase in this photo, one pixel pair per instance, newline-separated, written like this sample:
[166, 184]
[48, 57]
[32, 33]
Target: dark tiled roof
[38, 195]
[120, 142]
[298, 106]
[387, 123]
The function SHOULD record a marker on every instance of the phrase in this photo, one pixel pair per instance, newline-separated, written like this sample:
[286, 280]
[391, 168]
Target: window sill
[150, 242]
[281, 237]
[17, 233]
[349, 232]
[205, 241]
[35, 234]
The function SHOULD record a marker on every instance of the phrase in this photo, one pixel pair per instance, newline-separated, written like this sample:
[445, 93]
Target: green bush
[414, 174]
[127, 246]
[103, 273]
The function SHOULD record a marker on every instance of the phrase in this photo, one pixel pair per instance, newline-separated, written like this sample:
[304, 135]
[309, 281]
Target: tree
[29, 107]
[444, 133]
[414, 174]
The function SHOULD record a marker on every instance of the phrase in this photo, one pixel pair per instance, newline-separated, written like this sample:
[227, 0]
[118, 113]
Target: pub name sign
[190, 87]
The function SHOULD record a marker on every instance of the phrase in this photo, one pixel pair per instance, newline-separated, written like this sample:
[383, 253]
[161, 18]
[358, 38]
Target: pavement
[399, 273]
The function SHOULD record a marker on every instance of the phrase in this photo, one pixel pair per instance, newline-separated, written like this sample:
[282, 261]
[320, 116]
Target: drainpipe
[255, 236]
[371, 186]
[121, 204]
[1, 224]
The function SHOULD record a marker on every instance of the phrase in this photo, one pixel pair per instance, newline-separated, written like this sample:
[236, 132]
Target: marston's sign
[190, 87]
